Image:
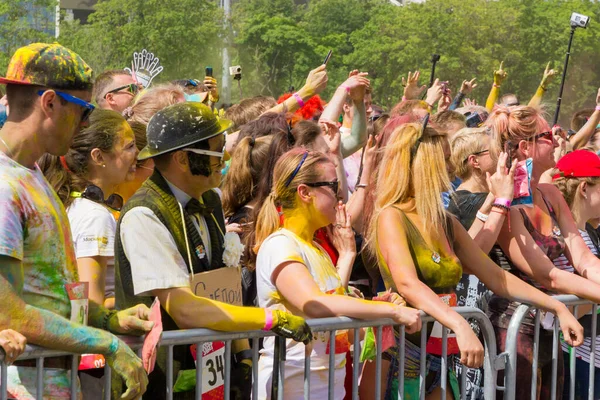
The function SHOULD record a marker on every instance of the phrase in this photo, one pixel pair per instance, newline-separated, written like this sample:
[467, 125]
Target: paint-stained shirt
[280, 247]
[35, 230]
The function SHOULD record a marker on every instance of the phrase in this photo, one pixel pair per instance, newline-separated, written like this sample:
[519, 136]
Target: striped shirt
[583, 352]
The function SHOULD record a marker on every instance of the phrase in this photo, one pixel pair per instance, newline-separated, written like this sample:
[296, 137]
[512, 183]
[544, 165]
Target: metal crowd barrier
[492, 362]
[511, 350]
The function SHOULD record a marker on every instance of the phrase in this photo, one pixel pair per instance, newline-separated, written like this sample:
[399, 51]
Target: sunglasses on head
[95, 194]
[545, 135]
[132, 88]
[87, 107]
[333, 185]
[219, 154]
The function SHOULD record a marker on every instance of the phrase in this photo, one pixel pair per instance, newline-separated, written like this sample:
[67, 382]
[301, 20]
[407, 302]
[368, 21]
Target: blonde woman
[294, 273]
[423, 251]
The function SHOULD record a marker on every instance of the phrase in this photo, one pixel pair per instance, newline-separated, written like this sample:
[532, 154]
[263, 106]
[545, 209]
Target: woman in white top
[102, 156]
[577, 176]
[296, 274]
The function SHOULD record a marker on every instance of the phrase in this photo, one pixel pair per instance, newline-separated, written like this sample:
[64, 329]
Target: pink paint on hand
[152, 338]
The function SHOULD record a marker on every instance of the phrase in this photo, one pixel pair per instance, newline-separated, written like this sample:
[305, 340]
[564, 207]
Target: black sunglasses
[477, 153]
[415, 148]
[95, 194]
[334, 185]
[545, 135]
[132, 88]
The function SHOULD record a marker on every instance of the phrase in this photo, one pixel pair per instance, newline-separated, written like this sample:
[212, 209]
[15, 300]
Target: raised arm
[548, 76]
[356, 204]
[583, 136]
[465, 89]
[316, 82]
[499, 76]
[507, 285]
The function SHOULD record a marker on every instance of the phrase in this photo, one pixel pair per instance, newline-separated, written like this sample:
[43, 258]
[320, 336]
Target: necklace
[9, 152]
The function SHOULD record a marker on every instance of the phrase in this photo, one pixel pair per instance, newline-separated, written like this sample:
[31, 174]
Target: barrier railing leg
[355, 364]
[39, 371]
[423, 362]
[379, 338]
[512, 334]
[227, 369]
[107, 382]
[255, 368]
[331, 376]
[3, 381]
[199, 369]
[593, 352]
[444, 360]
[402, 361]
[555, 346]
[572, 365]
[169, 372]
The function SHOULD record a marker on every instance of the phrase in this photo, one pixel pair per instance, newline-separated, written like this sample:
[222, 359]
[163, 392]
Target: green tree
[185, 34]
[23, 22]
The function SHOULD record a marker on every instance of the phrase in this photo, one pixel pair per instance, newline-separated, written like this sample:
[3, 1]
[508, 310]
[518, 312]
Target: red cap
[578, 164]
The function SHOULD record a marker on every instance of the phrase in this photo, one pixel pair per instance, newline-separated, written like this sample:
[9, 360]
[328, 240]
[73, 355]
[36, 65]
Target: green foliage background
[278, 41]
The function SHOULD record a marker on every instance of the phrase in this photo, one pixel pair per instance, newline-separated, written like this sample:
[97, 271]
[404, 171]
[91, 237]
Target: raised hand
[316, 81]
[500, 75]
[467, 86]
[501, 184]
[342, 234]
[356, 85]
[434, 93]
[469, 102]
[291, 326]
[213, 90]
[412, 90]
[549, 75]
[126, 364]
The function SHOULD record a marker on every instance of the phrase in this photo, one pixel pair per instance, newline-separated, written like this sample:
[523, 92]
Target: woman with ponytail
[294, 273]
[540, 243]
[102, 156]
[423, 251]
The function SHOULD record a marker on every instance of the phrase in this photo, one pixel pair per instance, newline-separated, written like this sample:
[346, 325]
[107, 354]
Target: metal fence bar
[555, 346]
[227, 367]
[107, 382]
[332, 335]
[39, 389]
[444, 357]
[281, 357]
[255, 368]
[572, 365]
[593, 352]
[170, 372]
[74, 369]
[199, 369]
[378, 340]
[401, 358]
[307, 351]
[536, 352]
[3, 378]
[355, 364]
[463, 382]
[422, 362]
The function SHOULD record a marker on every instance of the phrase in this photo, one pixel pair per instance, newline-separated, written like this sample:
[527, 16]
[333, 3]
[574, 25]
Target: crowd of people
[121, 194]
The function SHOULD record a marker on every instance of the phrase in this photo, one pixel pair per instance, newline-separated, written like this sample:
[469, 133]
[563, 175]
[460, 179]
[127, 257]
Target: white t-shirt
[278, 248]
[93, 227]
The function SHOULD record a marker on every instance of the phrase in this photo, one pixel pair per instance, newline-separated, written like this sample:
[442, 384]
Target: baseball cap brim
[6, 81]
[147, 152]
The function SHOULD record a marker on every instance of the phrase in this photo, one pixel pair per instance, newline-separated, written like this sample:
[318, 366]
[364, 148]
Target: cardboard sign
[223, 284]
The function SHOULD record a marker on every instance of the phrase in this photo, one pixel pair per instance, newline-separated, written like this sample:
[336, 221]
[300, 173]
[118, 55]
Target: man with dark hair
[114, 90]
[49, 88]
[173, 227]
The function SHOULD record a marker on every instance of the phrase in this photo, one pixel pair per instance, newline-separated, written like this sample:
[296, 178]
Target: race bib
[434, 344]
[79, 296]
[213, 369]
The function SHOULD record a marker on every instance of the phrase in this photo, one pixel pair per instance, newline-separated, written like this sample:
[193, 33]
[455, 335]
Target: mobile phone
[208, 71]
[328, 57]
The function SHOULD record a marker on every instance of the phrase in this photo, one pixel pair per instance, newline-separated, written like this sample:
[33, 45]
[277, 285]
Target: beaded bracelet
[501, 206]
[503, 201]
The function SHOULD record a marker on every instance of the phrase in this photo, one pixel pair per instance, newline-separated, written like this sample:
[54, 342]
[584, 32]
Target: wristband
[360, 185]
[481, 216]
[404, 98]
[268, 320]
[299, 99]
[597, 108]
[114, 345]
[503, 202]
[347, 89]
[496, 85]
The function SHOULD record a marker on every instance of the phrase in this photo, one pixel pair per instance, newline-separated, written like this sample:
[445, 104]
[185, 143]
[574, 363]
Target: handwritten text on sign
[223, 284]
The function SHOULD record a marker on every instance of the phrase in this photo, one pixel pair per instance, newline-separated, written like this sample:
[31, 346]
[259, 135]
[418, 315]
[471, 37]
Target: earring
[103, 165]
[585, 196]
